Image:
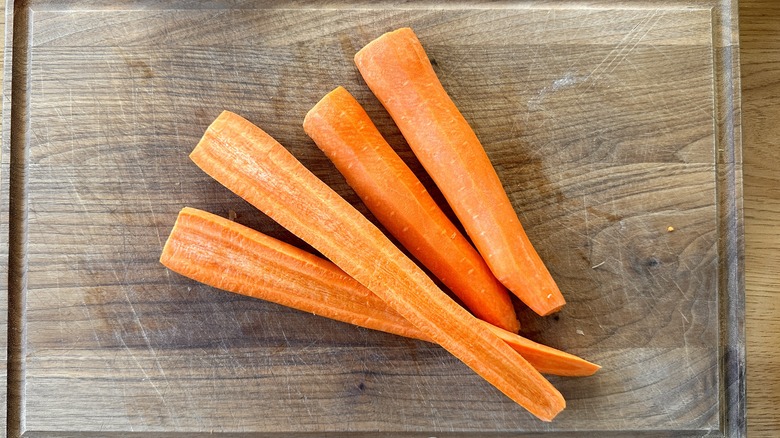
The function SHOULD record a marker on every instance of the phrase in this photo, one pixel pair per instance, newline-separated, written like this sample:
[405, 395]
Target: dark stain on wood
[602, 214]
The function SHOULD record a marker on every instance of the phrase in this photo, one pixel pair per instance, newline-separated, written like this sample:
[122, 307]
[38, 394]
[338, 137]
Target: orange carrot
[546, 359]
[399, 73]
[342, 129]
[229, 256]
[252, 164]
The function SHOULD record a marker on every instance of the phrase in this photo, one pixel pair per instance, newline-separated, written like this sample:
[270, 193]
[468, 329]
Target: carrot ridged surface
[229, 256]
[340, 127]
[398, 71]
[252, 164]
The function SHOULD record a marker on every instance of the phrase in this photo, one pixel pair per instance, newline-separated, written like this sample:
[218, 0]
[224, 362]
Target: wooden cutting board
[609, 123]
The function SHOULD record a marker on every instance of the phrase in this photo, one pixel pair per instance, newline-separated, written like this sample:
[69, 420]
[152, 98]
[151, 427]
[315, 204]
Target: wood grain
[603, 138]
[760, 40]
[3, 258]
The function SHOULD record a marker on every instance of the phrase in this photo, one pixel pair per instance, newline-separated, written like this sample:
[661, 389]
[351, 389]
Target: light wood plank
[4, 268]
[760, 42]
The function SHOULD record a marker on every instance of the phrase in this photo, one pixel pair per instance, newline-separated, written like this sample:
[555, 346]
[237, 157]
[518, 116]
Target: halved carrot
[399, 73]
[342, 129]
[252, 164]
[229, 256]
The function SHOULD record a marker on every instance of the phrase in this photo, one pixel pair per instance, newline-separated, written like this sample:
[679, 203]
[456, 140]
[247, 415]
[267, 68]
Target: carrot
[399, 73]
[342, 129]
[252, 164]
[229, 256]
[546, 359]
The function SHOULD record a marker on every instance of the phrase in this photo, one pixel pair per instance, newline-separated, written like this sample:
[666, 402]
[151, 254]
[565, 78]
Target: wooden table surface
[760, 59]
[760, 55]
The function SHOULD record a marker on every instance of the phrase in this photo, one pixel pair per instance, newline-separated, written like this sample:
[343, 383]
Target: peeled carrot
[252, 164]
[399, 73]
[342, 129]
[229, 256]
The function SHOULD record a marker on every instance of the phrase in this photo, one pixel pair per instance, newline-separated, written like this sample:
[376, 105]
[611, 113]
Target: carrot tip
[552, 310]
[342, 129]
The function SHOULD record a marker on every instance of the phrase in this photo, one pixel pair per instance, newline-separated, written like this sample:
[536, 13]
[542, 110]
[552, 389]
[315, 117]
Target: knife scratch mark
[77, 195]
[624, 47]
[71, 123]
[648, 25]
[151, 206]
[684, 317]
[92, 325]
[140, 366]
[145, 335]
[565, 81]
[547, 18]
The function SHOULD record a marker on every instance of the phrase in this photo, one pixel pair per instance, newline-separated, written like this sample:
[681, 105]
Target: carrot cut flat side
[398, 71]
[546, 360]
[252, 164]
[340, 127]
[229, 256]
